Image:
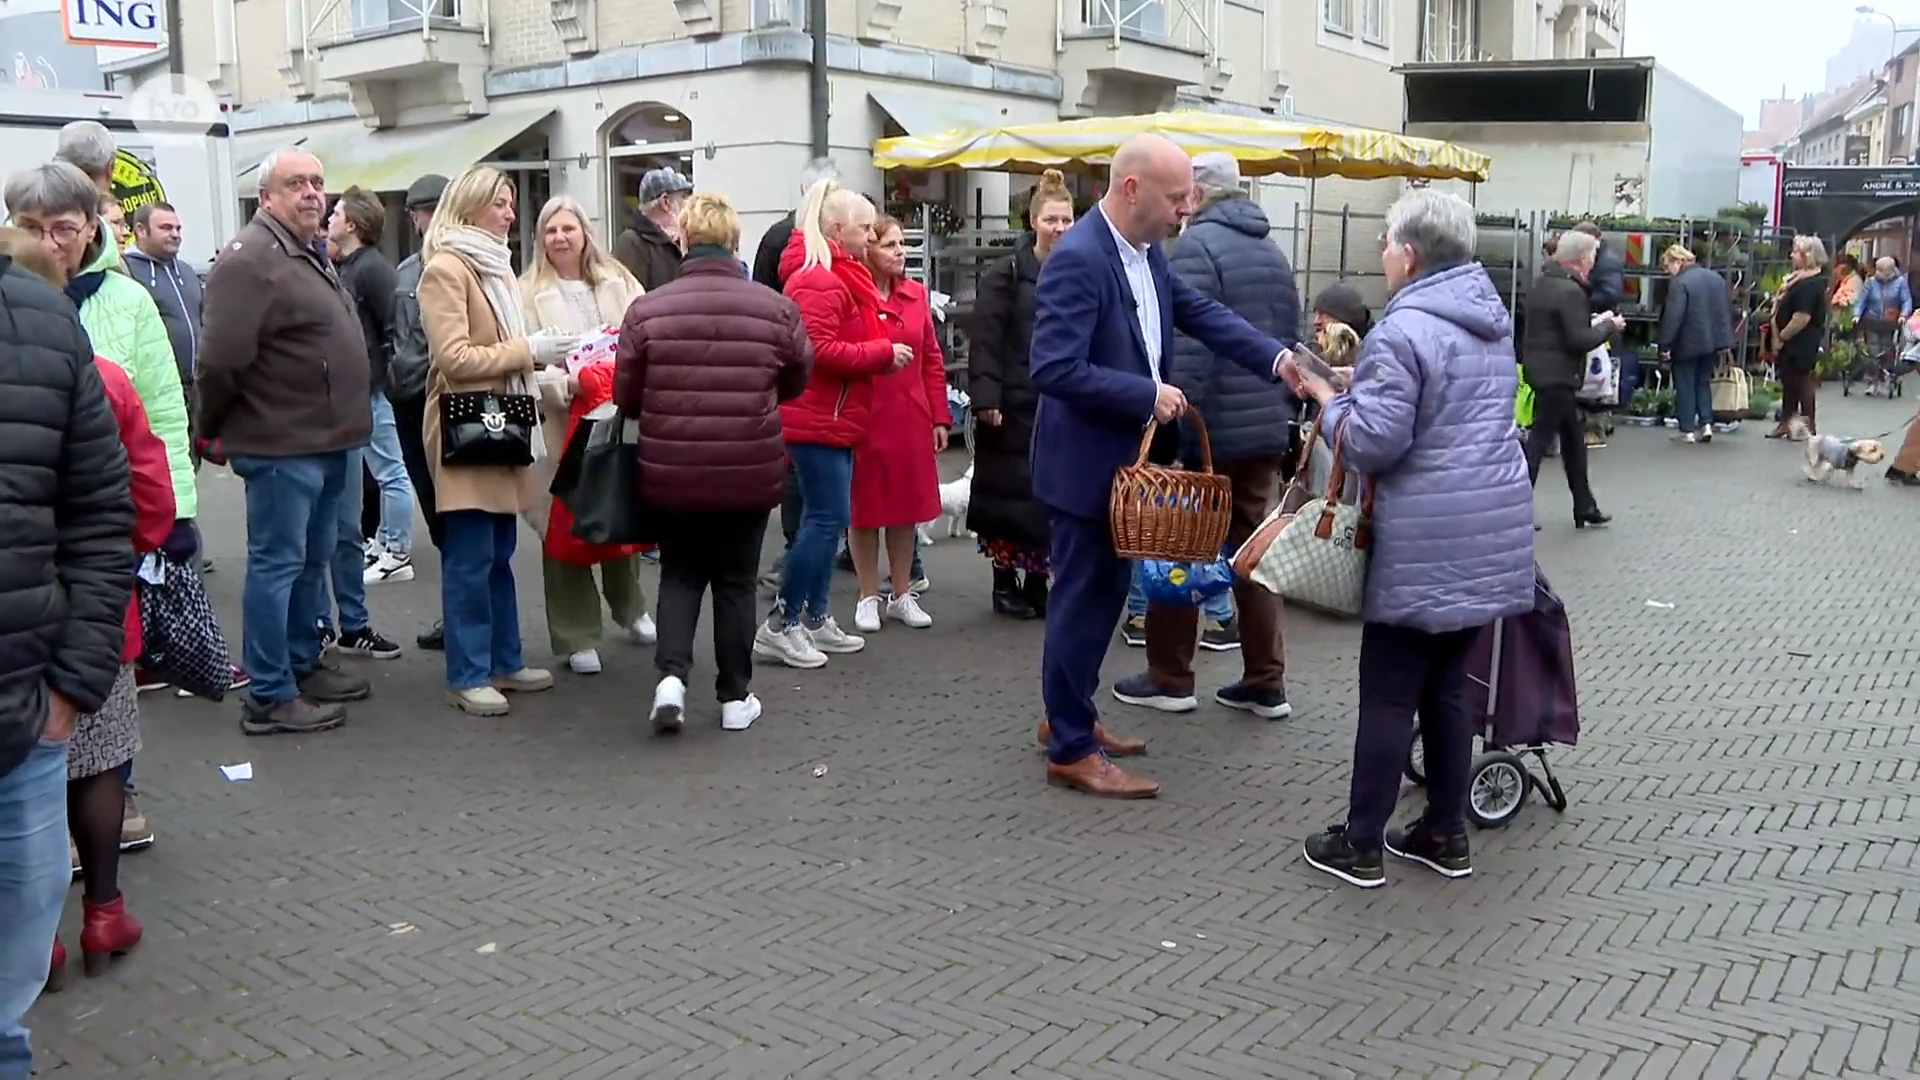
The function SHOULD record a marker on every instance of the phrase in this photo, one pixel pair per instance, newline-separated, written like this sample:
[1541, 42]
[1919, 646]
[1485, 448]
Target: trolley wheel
[1416, 768]
[1497, 789]
[1548, 785]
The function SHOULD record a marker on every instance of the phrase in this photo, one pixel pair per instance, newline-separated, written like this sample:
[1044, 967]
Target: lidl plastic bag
[1184, 584]
[1523, 404]
[1600, 379]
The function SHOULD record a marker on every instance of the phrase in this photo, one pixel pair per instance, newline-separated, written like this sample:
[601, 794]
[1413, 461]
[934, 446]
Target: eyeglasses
[63, 232]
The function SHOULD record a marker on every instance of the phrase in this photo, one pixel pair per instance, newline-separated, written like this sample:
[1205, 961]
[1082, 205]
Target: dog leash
[1890, 432]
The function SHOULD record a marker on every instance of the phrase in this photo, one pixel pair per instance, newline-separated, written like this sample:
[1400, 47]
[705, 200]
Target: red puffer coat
[841, 309]
[596, 389]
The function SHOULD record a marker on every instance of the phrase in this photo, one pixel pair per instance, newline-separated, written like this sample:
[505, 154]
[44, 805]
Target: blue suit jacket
[1089, 362]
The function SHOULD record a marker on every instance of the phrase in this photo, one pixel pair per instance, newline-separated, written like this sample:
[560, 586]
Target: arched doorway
[1839, 203]
[639, 139]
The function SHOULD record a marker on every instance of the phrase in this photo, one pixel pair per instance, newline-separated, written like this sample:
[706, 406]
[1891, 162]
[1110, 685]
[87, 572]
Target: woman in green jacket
[57, 203]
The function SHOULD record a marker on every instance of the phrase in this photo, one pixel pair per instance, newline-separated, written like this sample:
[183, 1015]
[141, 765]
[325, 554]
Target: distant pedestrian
[1696, 334]
[1560, 333]
[407, 375]
[649, 247]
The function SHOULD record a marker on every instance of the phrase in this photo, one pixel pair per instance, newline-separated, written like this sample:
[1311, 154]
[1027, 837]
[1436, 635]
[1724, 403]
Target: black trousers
[718, 552]
[1404, 672]
[1556, 415]
[410, 417]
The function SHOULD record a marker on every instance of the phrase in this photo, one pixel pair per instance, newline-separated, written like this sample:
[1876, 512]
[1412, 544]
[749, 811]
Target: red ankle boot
[108, 932]
[57, 971]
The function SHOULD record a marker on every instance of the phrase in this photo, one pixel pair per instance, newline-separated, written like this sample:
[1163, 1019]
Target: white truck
[1619, 136]
[188, 167]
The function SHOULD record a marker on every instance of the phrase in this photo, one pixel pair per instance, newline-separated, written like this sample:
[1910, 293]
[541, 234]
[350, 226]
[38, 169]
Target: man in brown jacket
[649, 247]
[284, 396]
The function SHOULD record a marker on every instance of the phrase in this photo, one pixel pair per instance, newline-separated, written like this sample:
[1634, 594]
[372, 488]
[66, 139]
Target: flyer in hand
[594, 348]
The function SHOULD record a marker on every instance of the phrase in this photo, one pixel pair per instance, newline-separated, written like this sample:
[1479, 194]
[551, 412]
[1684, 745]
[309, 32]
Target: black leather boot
[1034, 590]
[1007, 599]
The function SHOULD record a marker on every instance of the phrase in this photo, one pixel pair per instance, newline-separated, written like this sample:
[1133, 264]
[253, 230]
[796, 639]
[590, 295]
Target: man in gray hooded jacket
[154, 262]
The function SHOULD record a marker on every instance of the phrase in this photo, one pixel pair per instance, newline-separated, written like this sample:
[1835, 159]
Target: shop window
[649, 136]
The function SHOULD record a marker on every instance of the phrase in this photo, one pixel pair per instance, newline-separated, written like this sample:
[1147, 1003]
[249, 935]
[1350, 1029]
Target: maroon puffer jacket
[705, 362]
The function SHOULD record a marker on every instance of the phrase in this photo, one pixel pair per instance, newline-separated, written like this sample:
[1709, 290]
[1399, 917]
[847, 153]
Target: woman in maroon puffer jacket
[826, 275]
[704, 363]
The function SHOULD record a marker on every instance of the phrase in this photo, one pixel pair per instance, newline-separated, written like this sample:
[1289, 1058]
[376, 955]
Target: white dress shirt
[1146, 295]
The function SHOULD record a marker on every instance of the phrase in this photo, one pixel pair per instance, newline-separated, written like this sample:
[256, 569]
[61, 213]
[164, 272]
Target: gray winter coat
[175, 288]
[1698, 318]
[1225, 255]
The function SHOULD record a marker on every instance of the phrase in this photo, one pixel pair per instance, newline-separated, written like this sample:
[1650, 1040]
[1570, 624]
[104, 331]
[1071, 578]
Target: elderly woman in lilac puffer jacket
[1430, 418]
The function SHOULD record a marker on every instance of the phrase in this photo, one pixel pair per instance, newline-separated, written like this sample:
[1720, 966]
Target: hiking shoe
[479, 701]
[528, 680]
[297, 717]
[328, 684]
[1330, 853]
[1447, 856]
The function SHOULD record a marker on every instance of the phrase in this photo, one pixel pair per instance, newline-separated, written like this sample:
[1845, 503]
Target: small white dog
[1826, 453]
[954, 497]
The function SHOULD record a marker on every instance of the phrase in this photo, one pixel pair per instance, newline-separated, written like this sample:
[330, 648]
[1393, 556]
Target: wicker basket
[1161, 512]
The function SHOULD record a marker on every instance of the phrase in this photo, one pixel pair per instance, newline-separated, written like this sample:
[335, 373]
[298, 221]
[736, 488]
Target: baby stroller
[1886, 352]
[1522, 686]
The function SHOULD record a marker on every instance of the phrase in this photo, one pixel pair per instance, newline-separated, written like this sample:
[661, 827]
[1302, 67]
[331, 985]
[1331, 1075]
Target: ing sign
[127, 24]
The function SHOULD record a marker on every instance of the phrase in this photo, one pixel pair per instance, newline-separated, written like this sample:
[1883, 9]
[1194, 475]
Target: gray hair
[1885, 262]
[1216, 174]
[820, 168]
[88, 146]
[1437, 226]
[272, 161]
[52, 189]
[1574, 247]
[1811, 248]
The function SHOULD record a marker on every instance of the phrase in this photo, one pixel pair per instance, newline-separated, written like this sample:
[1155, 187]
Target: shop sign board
[126, 24]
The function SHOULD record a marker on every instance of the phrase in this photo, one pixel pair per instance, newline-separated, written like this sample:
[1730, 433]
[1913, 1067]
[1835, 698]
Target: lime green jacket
[125, 327]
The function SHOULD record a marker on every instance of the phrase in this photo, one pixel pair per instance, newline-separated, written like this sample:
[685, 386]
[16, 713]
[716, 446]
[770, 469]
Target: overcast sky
[1743, 51]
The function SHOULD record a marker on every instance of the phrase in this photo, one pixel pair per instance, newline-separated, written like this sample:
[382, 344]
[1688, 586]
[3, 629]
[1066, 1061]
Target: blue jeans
[1693, 392]
[1218, 608]
[293, 513]
[389, 469]
[347, 566]
[477, 602]
[34, 876]
[826, 492]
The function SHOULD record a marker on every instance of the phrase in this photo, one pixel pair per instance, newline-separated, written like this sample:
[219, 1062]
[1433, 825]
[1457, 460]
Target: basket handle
[1199, 426]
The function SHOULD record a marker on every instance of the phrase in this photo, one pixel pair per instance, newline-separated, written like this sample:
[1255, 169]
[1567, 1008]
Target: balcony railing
[1608, 12]
[1189, 25]
[319, 23]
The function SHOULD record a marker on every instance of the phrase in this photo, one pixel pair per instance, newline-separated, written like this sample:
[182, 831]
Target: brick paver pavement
[875, 882]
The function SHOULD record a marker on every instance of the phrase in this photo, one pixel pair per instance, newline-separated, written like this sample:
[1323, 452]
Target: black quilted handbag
[487, 429]
[180, 635]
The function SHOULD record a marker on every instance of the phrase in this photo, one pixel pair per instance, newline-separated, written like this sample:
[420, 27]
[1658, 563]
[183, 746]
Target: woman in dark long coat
[1012, 527]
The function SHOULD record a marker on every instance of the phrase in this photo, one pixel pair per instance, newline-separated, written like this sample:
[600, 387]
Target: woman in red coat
[896, 474]
[840, 306]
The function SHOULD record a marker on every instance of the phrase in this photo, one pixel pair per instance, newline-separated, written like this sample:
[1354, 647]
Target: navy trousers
[1089, 594]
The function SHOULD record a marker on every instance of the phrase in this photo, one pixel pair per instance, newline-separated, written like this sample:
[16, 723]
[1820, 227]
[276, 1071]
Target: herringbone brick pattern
[1733, 892]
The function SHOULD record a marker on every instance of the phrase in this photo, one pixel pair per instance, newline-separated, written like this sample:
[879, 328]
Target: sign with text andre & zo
[126, 24]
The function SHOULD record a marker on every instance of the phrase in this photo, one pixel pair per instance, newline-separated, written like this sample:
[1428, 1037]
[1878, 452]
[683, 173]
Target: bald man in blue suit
[1107, 307]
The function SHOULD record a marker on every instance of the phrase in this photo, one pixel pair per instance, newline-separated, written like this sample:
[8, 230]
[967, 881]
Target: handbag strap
[1337, 487]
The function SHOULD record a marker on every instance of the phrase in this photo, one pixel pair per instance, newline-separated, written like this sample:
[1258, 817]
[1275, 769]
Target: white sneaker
[739, 715]
[920, 584]
[866, 615]
[585, 662]
[791, 646]
[389, 566]
[907, 609]
[644, 630]
[371, 551]
[829, 638]
[669, 705]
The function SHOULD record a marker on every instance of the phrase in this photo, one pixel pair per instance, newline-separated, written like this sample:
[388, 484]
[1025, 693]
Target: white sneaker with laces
[372, 550]
[907, 609]
[669, 705]
[866, 615]
[790, 645]
[585, 662]
[739, 715]
[644, 630]
[389, 566]
[829, 638]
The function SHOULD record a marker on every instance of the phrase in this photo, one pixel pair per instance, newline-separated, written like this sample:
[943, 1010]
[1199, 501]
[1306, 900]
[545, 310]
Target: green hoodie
[124, 326]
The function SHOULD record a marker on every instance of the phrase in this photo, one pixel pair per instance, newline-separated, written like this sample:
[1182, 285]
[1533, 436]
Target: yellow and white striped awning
[1263, 147]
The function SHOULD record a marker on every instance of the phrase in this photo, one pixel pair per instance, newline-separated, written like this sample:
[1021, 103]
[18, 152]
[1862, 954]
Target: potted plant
[1763, 396]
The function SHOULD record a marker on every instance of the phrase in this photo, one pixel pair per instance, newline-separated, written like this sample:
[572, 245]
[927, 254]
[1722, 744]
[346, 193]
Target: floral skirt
[105, 740]
[1007, 555]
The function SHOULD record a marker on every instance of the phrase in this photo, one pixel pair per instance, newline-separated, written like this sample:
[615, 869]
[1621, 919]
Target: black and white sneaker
[1330, 853]
[1444, 855]
[388, 567]
[367, 642]
[327, 637]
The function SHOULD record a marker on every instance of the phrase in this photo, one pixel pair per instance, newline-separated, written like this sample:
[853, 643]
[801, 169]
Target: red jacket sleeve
[934, 367]
[826, 309]
[153, 505]
[596, 388]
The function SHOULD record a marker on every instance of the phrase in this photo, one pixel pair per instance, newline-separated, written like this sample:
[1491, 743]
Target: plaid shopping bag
[179, 634]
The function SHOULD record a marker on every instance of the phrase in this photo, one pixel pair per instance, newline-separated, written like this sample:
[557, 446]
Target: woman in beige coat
[477, 339]
[575, 287]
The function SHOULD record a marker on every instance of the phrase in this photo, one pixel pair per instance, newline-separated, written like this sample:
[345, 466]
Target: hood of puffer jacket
[1236, 212]
[1462, 295]
[107, 258]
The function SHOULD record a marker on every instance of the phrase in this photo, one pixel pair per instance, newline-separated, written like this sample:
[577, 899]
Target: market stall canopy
[1263, 147]
[391, 158]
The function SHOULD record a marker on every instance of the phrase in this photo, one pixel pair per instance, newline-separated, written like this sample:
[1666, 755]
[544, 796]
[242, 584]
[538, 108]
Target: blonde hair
[469, 193]
[596, 265]
[709, 220]
[1811, 249]
[1677, 253]
[1051, 188]
[30, 256]
[826, 201]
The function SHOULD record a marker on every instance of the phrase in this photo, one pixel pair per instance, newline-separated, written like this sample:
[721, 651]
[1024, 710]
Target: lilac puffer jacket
[1430, 418]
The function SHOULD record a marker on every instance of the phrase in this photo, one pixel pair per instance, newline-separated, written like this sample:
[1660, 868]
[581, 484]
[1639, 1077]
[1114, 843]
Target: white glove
[551, 346]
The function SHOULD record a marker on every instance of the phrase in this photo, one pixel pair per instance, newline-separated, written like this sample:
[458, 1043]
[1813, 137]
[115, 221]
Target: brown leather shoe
[1097, 775]
[1114, 745]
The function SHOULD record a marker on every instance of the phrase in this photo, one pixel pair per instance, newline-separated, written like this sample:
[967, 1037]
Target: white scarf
[492, 261]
